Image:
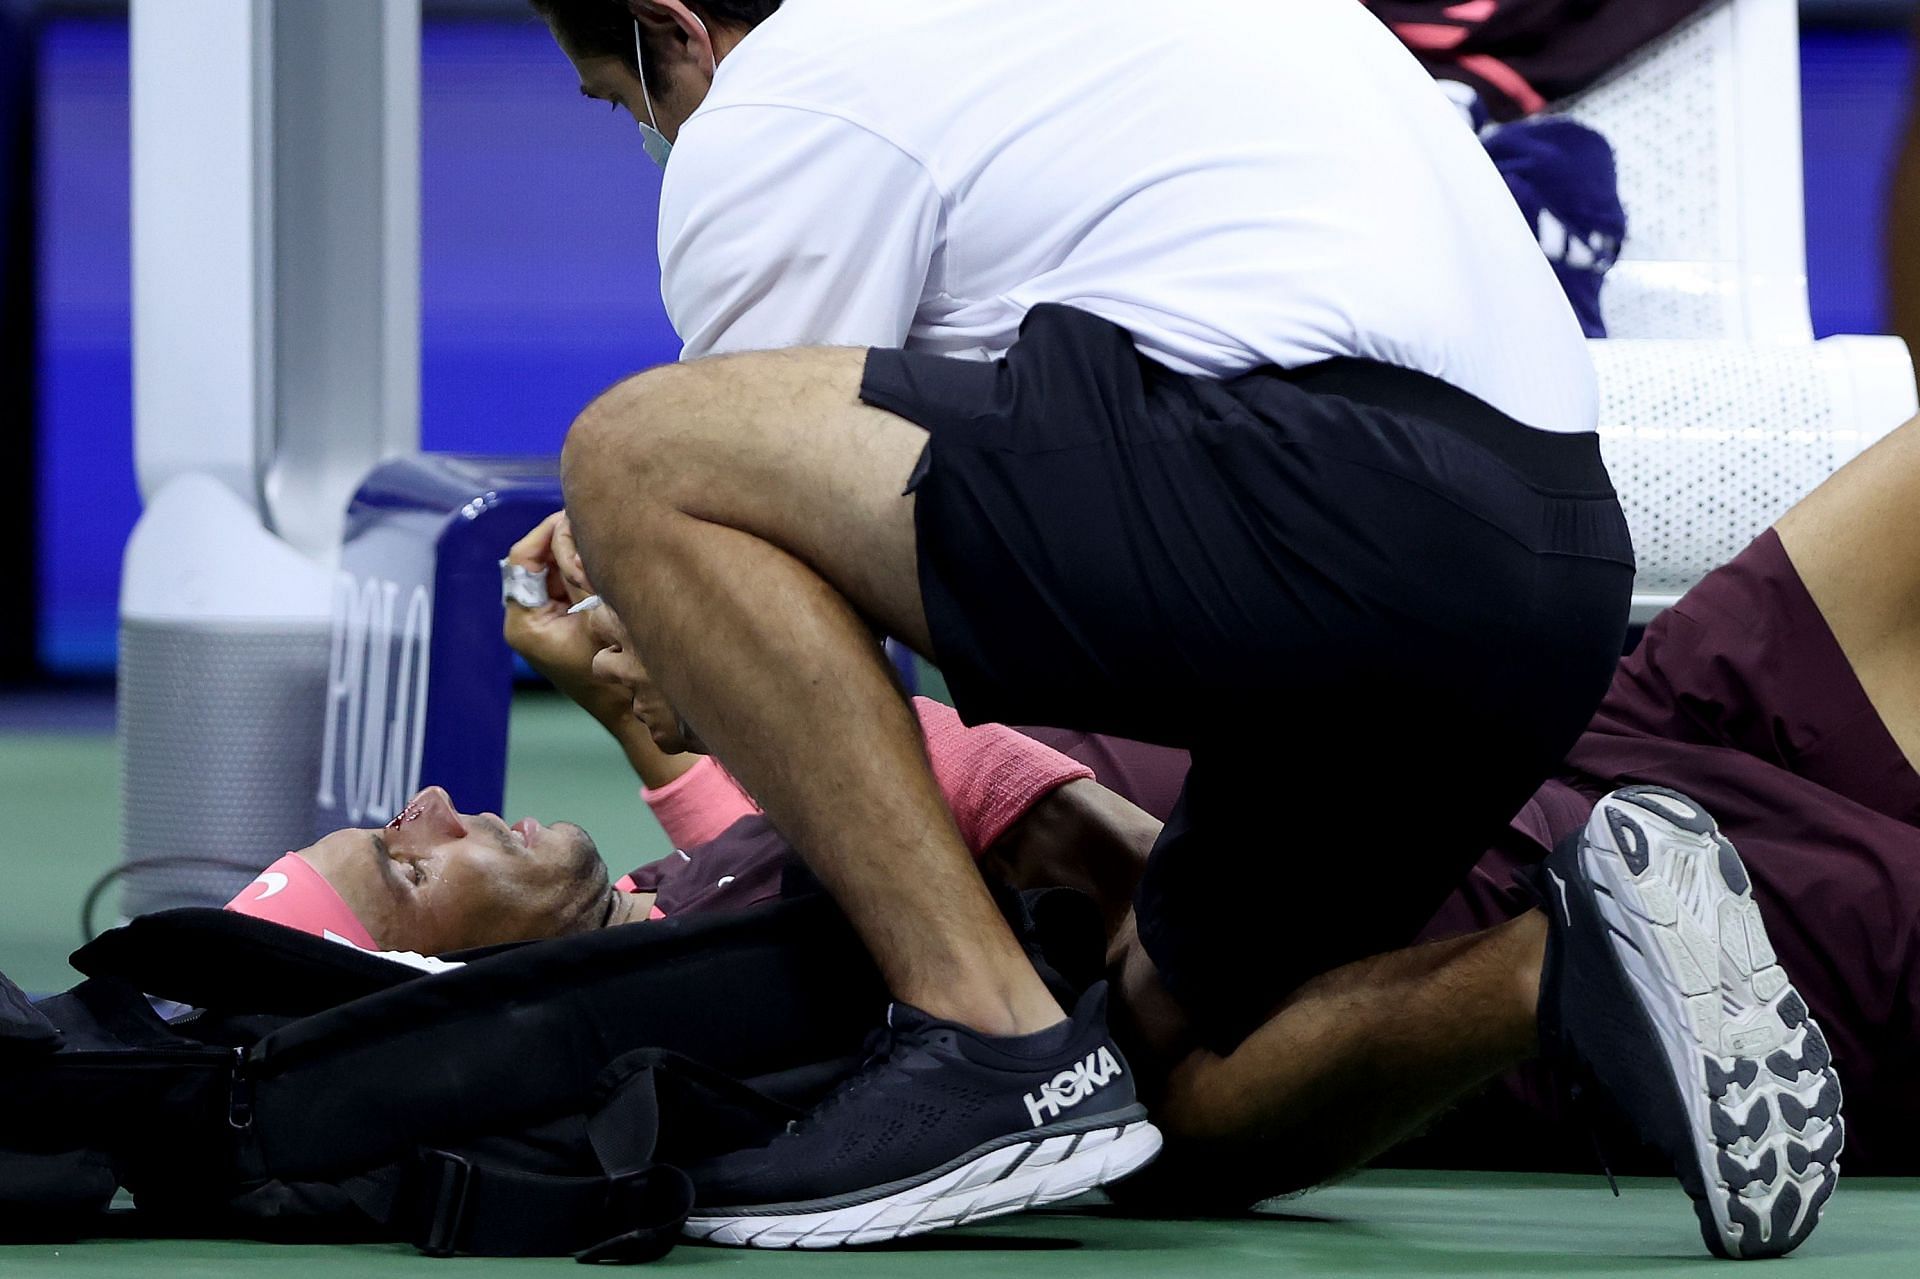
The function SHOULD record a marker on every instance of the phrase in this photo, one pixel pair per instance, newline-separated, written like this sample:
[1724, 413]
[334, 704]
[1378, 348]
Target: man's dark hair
[604, 28]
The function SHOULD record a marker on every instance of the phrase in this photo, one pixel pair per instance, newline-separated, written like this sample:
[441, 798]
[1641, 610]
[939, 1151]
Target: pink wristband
[990, 774]
[699, 804]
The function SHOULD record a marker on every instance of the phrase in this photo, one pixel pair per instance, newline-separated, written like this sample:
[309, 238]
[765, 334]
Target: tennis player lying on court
[435, 880]
[1783, 694]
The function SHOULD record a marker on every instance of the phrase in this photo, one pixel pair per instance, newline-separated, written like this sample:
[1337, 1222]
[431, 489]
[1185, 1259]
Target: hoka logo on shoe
[1071, 1087]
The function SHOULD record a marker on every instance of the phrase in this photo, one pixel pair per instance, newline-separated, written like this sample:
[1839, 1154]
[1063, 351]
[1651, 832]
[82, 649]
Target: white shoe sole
[1007, 1179]
[1752, 1069]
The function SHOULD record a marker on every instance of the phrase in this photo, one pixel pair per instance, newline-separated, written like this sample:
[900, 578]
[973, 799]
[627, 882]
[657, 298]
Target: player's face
[434, 880]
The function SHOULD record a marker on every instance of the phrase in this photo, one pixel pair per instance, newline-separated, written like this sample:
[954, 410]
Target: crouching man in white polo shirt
[1184, 373]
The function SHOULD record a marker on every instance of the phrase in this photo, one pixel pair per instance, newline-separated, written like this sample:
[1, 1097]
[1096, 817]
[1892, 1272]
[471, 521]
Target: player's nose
[429, 816]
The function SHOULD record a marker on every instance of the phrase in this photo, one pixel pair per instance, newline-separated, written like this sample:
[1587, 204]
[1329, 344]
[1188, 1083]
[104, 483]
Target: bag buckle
[455, 1177]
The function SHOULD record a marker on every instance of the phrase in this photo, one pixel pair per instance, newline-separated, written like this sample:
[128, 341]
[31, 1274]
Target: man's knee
[623, 443]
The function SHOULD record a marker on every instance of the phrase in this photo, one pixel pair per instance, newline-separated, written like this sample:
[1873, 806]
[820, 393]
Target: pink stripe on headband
[1504, 78]
[1429, 35]
[293, 893]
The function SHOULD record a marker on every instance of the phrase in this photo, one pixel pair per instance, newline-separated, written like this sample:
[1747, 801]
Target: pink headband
[293, 893]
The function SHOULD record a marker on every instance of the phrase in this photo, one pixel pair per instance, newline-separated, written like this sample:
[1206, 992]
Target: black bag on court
[543, 1099]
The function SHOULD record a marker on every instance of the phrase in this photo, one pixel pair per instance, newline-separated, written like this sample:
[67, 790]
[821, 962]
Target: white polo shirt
[1235, 182]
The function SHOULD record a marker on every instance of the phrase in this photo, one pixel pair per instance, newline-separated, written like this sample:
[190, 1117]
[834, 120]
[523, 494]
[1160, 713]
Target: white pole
[276, 259]
[202, 328]
[276, 198]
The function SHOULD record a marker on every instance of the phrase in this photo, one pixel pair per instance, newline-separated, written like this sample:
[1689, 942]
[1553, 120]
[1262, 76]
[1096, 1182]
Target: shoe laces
[877, 1062]
[1581, 1112]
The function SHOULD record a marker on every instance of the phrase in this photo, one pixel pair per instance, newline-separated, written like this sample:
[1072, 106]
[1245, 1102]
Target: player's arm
[1080, 835]
[843, 258]
[558, 645]
[1084, 836]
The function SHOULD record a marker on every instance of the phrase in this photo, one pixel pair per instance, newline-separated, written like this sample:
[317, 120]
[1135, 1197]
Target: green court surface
[59, 828]
[1383, 1223]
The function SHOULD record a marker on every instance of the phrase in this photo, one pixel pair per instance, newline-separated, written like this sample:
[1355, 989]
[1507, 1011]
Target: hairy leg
[745, 518]
[1855, 542]
[1353, 1062]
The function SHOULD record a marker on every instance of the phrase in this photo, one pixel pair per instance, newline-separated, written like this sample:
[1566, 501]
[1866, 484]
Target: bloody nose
[432, 810]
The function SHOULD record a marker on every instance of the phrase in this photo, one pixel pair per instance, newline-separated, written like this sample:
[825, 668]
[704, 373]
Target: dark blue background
[539, 278]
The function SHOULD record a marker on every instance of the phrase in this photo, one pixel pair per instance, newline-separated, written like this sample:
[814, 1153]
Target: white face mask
[658, 148]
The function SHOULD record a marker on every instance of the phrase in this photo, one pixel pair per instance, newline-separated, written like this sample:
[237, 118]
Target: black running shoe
[1661, 986]
[942, 1126]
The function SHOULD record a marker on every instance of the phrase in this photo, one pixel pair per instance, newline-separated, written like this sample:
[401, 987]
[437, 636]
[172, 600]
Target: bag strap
[631, 1210]
[489, 1211]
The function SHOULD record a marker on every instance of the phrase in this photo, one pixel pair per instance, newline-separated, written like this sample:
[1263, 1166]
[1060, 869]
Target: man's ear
[671, 25]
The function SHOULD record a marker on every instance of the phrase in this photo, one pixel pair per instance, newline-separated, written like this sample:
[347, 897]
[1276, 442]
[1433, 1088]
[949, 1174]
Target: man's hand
[558, 645]
[565, 556]
[563, 646]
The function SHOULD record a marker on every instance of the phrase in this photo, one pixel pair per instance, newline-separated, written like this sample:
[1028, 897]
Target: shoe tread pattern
[1008, 1179]
[1768, 1155]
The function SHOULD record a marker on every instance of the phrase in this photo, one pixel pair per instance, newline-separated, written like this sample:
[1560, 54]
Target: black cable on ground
[99, 886]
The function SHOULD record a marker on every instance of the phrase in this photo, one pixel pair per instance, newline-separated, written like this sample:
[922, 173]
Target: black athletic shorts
[1376, 610]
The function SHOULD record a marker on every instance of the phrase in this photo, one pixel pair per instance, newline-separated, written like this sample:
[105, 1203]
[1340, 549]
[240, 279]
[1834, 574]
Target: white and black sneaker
[1660, 985]
[942, 1126]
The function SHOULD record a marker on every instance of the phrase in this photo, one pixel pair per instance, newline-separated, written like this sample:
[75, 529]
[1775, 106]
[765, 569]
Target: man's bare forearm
[654, 767]
[1081, 836]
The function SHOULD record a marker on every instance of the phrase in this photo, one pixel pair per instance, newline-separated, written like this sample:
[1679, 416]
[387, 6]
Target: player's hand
[565, 556]
[560, 645]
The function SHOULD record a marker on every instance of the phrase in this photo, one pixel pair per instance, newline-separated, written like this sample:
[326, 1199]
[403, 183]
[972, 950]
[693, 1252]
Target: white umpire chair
[1718, 409]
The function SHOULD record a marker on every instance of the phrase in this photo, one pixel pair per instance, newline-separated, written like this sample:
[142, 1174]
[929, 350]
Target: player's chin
[574, 837]
[578, 848]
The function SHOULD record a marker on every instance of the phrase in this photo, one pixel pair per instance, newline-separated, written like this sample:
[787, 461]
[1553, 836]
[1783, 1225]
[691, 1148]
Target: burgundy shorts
[1741, 697]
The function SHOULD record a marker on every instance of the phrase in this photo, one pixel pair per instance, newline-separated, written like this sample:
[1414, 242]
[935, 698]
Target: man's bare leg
[1353, 1062]
[745, 518]
[1855, 541]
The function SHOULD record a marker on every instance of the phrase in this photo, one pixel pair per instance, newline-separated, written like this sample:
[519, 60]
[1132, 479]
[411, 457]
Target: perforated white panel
[1710, 442]
[1667, 113]
[1671, 300]
[1713, 435]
